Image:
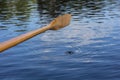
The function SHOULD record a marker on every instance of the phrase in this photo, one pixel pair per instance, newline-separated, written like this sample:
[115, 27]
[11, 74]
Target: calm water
[88, 49]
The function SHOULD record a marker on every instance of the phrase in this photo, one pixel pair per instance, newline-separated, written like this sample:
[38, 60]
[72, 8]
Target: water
[87, 49]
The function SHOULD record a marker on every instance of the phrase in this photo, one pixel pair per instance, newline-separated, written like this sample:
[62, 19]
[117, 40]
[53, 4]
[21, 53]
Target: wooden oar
[57, 23]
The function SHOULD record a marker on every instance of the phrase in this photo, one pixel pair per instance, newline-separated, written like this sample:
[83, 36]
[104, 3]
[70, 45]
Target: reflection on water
[10, 9]
[87, 49]
[52, 8]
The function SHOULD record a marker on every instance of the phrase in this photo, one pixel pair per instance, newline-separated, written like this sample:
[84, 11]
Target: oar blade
[61, 21]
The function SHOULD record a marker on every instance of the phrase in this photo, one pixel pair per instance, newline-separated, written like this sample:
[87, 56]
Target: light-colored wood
[57, 23]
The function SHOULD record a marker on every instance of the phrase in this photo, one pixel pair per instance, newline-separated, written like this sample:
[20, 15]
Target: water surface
[87, 49]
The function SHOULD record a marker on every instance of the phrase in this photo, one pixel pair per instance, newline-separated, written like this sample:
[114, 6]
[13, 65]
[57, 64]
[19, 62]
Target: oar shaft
[14, 41]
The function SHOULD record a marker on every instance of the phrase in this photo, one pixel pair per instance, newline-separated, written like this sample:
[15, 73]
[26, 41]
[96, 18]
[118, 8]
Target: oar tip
[61, 21]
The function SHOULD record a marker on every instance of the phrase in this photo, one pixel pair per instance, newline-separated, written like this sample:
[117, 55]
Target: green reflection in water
[14, 8]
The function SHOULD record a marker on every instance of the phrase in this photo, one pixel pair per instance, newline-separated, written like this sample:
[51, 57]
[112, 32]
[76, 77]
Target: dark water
[88, 49]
